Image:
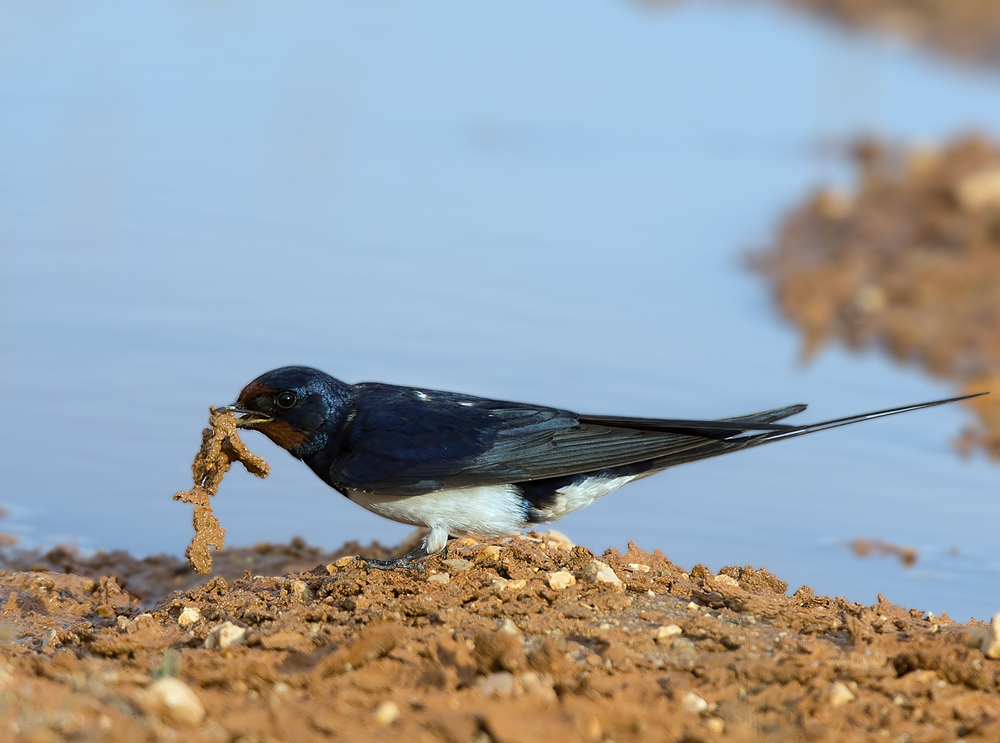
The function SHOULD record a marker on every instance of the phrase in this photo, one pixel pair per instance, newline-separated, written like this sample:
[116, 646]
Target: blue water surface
[547, 202]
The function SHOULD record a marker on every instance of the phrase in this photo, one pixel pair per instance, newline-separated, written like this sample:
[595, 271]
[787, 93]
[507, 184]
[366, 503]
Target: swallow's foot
[411, 561]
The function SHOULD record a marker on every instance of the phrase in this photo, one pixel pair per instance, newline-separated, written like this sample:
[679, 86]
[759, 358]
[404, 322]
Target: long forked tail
[754, 429]
[745, 432]
[692, 440]
[793, 431]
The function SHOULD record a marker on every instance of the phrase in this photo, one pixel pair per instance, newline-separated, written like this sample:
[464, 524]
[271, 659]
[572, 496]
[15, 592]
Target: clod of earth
[220, 447]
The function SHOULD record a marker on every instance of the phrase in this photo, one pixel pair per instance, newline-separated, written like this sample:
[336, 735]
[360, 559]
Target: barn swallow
[459, 464]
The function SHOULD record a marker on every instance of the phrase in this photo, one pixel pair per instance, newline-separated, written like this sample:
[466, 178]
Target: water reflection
[961, 29]
[907, 262]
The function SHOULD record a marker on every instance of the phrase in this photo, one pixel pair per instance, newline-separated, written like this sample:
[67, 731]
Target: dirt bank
[518, 639]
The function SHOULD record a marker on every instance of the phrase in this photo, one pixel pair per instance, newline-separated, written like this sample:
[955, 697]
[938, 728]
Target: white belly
[490, 510]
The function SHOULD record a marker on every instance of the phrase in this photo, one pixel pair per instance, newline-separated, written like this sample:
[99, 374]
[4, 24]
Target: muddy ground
[509, 640]
[907, 262]
[967, 30]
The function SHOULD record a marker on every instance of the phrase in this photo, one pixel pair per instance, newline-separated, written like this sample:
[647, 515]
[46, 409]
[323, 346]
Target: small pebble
[173, 698]
[386, 713]
[189, 615]
[343, 562]
[502, 584]
[599, 572]
[666, 633]
[439, 578]
[300, 590]
[492, 552]
[715, 725]
[691, 702]
[638, 567]
[561, 579]
[456, 564]
[509, 627]
[536, 685]
[224, 636]
[726, 580]
[840, 694]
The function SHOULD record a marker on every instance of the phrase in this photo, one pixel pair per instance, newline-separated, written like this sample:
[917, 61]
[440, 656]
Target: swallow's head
[294, 406]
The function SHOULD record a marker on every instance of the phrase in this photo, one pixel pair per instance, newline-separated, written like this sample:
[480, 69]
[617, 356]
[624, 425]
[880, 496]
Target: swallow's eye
[286, 400]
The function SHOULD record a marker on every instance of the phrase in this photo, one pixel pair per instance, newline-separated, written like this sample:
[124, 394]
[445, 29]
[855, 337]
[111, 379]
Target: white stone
[536, 685]
[502, 584]
[343, 562]
[561, 579]
[386, 713]
[715, 725]
[189, 615]
[599, 572]
[691, 702]
[172, 698]
[509, 628]
[667, 632]
[840, 694]
[224, 636]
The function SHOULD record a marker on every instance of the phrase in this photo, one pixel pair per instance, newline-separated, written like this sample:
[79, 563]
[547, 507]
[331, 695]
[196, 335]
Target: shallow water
[547, 204]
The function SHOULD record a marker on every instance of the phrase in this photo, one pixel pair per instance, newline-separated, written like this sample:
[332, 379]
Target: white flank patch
[574, 497]
[490, 510]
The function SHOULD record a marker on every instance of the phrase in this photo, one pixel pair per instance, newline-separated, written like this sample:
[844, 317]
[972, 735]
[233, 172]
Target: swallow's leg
[409, 560]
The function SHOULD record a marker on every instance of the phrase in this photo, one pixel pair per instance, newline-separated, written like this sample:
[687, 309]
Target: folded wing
[404, 441]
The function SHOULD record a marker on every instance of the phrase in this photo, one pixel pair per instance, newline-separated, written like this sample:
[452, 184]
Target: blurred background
[550, 203]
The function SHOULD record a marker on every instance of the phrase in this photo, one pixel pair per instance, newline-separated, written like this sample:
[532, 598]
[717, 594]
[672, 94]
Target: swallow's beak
[247, 418]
